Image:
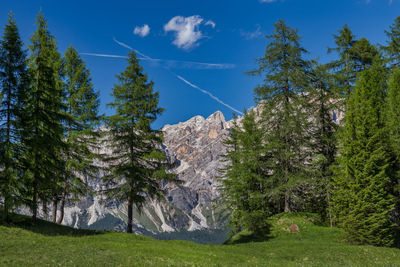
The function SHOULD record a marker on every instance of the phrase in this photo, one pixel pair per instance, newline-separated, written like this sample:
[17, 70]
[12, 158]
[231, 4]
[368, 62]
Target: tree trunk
[54, 216]
[34, 201]
[329, 209]
[130, 211]
[287, 200]
[8, 142]
[64, 194]
[61, 218]
[44, 210]
[6, 218]
[35, 175]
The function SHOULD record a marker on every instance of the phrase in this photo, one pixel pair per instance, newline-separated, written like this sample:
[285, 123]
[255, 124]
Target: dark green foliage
[137, 163]
[292, 147]
[354, 56]
[270, 151]
[343, 67]
[363, 54]
[324, 100]
[392, 118]
[13, 83]
[283, 66]
[42, 117]
[393, 111]
[82, 104]
[284, 101]
[245, 185]
[393, 45]
[363, 197]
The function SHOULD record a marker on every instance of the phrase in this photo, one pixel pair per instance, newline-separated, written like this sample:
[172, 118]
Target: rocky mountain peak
[195, 147]
[218, 119]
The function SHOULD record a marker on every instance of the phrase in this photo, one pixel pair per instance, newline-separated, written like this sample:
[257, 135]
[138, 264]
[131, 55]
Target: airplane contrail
[183, 79]
[127, 46]
[207, 93]
[170, 62]
[103, 55]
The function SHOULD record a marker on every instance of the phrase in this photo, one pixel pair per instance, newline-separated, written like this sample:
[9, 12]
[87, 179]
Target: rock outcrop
[196, 147]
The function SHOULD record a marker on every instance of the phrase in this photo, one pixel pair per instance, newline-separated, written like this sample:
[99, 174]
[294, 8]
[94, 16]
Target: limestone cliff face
[195, 148]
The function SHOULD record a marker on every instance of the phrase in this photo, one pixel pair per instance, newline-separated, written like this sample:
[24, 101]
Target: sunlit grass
[46, 244]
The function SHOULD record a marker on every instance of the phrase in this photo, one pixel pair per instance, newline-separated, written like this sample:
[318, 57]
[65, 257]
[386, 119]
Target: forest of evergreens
[324, 138]
[49, 132]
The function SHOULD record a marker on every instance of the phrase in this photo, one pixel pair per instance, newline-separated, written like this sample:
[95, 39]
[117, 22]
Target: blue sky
[227, 33]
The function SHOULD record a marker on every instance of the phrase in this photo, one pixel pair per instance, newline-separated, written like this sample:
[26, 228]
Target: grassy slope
[44, 244]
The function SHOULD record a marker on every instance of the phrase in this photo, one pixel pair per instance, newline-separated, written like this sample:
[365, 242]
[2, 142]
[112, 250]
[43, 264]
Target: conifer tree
[13, 83]
[393, 111]
[393, 45]
[82, 104]
[363, 197]
[392, 118]
[245, 192]
[137, 163]
[42, 118]
[284, 102]
[324, 109]
[363, 54]
[343, 68]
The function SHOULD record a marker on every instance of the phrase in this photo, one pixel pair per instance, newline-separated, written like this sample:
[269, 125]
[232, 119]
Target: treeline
[49, 132]
[324, 138]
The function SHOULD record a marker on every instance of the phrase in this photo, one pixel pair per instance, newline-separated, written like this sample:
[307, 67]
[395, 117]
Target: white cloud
[211, 23]
[267, 1]
[142, 31]
[187, 30]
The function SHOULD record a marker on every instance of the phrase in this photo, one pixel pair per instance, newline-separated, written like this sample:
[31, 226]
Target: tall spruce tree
[137, 163]
[363, 54]
[245, 192]
[343, 68]
[284, 103]
[392, 118]
[325, 124]
[82, 104]
[13, 83]
[42, 117]
[393, 112]
[392, 48]
[362, 198]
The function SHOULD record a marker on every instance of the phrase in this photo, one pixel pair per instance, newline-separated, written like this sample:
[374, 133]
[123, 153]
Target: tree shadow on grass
[44, 227]
[397, 237]
[249, 236]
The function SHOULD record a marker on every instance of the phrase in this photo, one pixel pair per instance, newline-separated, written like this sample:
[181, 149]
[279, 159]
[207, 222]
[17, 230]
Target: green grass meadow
[23, 243]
